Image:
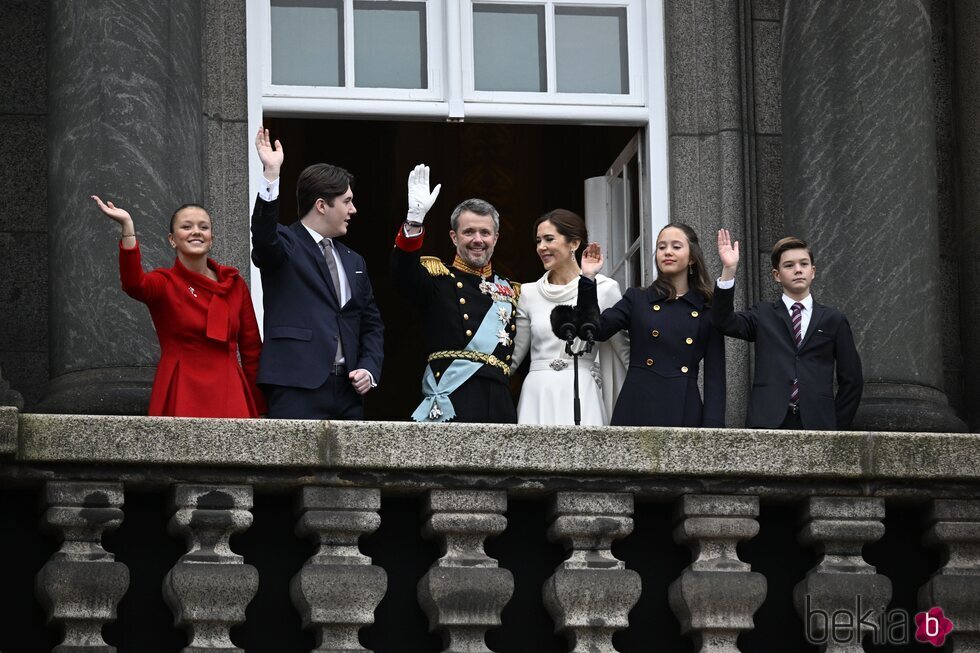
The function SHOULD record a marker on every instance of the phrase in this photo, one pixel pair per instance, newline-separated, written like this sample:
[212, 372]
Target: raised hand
[420, 198]
[270, 155]
[728, 253]
[592, 260]
[127, 231]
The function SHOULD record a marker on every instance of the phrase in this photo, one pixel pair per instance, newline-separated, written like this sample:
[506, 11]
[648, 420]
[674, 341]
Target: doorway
[524, 170]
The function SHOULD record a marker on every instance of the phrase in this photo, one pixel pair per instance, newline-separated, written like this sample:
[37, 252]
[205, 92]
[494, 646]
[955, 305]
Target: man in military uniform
[468, 312]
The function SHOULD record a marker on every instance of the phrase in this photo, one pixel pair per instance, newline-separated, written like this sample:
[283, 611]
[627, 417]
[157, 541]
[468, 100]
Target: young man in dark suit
[324, 339]
[798, 343]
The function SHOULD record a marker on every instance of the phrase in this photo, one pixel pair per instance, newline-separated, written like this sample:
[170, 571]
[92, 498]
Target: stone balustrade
[845, 488]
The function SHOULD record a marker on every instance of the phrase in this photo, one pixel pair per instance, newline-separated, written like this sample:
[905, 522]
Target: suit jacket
[303, 317]
[828, 341]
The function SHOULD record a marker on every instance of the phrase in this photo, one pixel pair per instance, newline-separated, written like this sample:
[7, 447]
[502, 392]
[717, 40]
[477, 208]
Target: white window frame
[451, 105]
[635, 63]
[434, 24]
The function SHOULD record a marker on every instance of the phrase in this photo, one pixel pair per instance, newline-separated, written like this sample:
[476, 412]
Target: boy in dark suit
[798, 342]
[324, 339]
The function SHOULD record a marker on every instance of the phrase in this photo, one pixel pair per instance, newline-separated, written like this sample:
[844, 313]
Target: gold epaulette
[517, 289]
[434, 266]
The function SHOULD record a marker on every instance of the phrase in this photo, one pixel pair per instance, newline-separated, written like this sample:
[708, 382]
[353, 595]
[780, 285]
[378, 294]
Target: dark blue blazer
[303, 317]
[828, 342]
[668, 342]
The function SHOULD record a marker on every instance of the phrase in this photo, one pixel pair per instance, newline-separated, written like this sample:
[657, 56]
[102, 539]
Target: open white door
[616, 216]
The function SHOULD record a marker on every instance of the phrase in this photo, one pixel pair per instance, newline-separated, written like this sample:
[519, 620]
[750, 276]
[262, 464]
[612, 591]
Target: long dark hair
[697, 272]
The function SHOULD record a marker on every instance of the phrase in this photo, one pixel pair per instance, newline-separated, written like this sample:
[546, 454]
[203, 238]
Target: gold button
[438, 374]
[655, 333]
[469, 333]
[453, 275]
[656, 307]
[694, 313]
[513, 327]
[462, 300]
[690, 341]
[684, 369]
[649, 362]
[459, 284]
[508, 356]
[466, 316]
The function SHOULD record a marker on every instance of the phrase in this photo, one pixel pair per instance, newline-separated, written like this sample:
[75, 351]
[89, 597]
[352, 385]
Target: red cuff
[406, 244]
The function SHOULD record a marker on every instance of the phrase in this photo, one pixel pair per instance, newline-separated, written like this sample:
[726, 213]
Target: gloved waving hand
[420, 198]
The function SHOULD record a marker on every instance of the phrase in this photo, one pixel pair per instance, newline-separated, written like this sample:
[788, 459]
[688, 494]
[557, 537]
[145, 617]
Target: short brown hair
[786, 244]
[321, 180]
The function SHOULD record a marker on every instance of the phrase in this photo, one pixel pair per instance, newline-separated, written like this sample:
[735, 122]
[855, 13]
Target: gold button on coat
[466, 316]
[690, 341]
[462, 300]
[513, 327]
[508, 356]
[459, 284]
[694, 313]
[684, 369]
[438, 374]
[649, 362]
[469, 333]
[656, 307]
[655, 333]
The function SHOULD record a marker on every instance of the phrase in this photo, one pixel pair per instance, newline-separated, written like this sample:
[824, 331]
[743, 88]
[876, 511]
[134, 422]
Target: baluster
[717, 594]
[210, 586]
[464, 591]
[591, 593]
[338, 588]
[81, 585]
[836, 595]
[954, 529]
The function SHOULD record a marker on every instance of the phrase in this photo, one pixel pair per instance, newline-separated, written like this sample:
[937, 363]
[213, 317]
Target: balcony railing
[552, 538]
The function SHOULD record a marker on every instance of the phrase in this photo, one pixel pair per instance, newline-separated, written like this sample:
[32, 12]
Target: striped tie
[794, 397]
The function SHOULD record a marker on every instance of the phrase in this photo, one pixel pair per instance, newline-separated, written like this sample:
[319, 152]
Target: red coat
[202, 325]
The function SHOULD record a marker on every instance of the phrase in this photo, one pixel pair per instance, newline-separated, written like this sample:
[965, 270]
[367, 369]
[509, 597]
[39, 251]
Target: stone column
[591, 593]
[842, 582]
[338, 588]
[966, 27]
[717, 594]
[860, 187]
[464, 591]
[125, 123]
[81, 585]
[954, 529]
[210, 586]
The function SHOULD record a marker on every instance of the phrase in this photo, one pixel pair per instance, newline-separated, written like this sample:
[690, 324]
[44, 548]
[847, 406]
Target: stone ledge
[496, 449]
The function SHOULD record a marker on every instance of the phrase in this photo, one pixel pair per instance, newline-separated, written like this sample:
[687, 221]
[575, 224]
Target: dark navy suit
[828, 340]
[668, 340]
[304, 320]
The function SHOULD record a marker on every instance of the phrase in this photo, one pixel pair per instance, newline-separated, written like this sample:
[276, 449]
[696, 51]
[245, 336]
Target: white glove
[420, 199]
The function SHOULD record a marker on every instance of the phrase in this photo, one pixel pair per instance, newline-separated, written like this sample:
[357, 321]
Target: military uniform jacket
[452, 306]
[668, 341]
[828, 343]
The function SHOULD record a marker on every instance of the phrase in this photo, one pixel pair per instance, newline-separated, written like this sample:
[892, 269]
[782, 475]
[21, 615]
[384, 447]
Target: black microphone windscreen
[563, 322]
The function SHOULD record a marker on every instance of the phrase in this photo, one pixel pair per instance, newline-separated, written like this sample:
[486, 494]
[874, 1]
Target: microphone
[588, 323]
[563, 322]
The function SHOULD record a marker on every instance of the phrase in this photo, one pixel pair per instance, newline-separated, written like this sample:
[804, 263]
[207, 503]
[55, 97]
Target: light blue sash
[436, 406]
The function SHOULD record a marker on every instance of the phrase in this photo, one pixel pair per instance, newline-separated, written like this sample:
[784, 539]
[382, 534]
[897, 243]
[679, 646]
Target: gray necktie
[327, 248]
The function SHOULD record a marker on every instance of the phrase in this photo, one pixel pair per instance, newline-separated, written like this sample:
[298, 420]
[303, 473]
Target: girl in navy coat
[670, 334]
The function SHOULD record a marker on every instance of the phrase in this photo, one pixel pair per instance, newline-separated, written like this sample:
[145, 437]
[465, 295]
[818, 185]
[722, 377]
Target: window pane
[508, 48]
[389, 45]
[308, 42]
[591, 52]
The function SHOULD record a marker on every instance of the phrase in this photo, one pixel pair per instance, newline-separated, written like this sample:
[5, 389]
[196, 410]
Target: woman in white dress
[547, 394]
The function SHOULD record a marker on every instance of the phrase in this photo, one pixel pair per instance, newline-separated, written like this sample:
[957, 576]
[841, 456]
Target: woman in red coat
[204, 319]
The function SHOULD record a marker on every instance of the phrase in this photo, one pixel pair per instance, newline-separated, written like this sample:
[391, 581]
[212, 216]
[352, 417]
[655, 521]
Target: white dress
[547, 394]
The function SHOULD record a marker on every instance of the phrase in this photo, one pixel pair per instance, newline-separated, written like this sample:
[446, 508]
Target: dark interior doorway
[523, 170]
